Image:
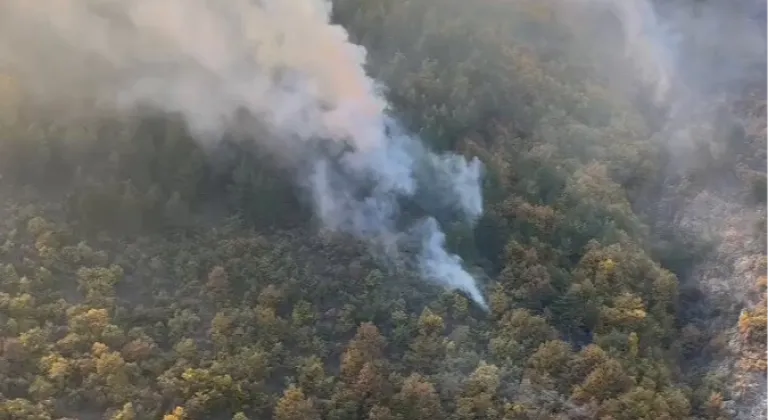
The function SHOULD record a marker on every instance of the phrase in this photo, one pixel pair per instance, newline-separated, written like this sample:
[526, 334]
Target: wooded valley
[145, 276]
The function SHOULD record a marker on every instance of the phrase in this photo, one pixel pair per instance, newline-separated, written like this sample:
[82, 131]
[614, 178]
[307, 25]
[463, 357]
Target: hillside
[148, 274]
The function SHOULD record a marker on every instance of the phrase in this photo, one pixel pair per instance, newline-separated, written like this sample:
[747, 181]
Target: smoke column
[702, 58]
[282, 62]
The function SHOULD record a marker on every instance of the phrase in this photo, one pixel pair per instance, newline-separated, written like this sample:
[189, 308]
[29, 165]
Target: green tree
[417, 399]
[295, 406]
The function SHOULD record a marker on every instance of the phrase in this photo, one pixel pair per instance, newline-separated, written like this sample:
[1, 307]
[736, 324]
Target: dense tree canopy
[142, 277]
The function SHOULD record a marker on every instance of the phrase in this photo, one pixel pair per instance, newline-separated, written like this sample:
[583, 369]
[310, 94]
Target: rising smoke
[701, 58]
[283, 63]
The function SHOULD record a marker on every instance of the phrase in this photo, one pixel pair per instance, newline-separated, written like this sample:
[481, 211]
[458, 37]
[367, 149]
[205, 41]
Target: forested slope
[144, 276]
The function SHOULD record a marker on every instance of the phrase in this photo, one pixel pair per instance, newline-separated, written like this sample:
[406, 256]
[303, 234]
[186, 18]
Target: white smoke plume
[647, 43]
[701, 57]
[284, 63]
[687, 48]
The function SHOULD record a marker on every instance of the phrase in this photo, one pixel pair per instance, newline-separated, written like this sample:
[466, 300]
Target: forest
[145, 275]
